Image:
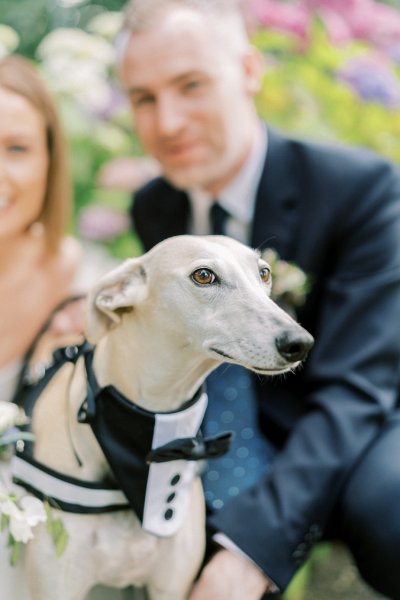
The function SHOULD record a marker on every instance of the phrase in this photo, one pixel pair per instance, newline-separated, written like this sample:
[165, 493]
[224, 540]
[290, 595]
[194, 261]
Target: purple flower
[101, 223]
[394, 53]
[373, 80]
[115, 103]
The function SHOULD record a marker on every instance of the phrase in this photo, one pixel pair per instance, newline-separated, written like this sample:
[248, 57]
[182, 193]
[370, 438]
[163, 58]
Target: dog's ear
[124, 287]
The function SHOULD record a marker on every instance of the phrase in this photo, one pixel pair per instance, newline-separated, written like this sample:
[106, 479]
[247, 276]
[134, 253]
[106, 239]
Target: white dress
[12, 582]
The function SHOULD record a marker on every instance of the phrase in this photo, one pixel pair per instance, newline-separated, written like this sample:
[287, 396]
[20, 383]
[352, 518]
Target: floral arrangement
[332, 72]
[290, 285]
[11, 417]
[78, 66]
[19, 515]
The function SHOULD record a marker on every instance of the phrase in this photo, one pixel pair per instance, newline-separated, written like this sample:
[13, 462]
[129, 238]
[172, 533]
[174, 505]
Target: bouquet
[19, 515]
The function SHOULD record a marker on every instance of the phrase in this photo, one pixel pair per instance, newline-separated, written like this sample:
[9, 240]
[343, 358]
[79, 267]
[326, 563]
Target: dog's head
[209, 293]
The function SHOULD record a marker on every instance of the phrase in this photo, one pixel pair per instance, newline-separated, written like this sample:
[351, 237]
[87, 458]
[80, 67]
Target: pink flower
[290, 18]
[364, 20]
[102, 223]
[339, 6]
[338, 29]
[384, 30]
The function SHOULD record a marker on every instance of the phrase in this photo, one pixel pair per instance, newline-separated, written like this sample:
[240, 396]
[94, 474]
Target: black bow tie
[197, 448]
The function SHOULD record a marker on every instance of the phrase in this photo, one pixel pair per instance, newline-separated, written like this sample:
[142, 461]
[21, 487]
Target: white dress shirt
[237, 198]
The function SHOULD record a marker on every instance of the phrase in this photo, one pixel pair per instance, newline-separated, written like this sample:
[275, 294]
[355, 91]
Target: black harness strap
[146, 452]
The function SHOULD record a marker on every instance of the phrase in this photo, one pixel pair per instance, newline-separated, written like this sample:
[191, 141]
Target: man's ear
[253, 68]
[124, 287]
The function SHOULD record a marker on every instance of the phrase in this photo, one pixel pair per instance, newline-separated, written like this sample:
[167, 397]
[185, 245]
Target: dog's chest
[122, 551]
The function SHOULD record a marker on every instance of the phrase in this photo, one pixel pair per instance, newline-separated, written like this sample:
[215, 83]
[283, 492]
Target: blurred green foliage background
[332, 72]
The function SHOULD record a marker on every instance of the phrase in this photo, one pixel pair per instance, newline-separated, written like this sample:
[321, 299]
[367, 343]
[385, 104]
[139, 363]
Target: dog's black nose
[294, 346]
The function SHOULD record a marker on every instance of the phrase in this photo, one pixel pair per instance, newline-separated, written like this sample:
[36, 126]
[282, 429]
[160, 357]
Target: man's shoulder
[329, 178]
[339, 157]
[335, 169]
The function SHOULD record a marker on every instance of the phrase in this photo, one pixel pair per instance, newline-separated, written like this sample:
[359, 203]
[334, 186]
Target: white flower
[8, 507]
[24, 517]
[9, 415]
[290, 283]
[20, 529]
[106, 24]
[34, 510]
[9, 39]
[78, 44]
[68, 3]
[82, 79]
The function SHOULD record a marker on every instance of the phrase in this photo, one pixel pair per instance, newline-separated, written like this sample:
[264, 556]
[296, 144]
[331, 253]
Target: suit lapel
[277, 201]
[174, 213]
[276, 207]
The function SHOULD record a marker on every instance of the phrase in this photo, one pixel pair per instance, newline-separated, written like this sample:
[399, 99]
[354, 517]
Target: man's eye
[17, 148]
[203, 276]
[265, 274]
[142, 101]
[192, 85]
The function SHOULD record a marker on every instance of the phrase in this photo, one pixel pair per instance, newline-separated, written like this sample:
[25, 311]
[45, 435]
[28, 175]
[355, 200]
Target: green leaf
[61, 542]
[16, 548]
[57, 531]
[4, 521]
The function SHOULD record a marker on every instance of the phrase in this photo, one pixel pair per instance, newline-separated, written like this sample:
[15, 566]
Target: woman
[38, 262]
[40, 266]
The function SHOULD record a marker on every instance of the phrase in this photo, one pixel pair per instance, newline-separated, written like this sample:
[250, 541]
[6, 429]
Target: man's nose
[170, 116]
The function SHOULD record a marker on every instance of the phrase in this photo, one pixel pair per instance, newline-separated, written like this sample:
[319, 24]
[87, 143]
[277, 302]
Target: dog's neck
[155, 374]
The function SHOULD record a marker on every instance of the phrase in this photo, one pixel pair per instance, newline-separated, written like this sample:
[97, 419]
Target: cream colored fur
[158, 334]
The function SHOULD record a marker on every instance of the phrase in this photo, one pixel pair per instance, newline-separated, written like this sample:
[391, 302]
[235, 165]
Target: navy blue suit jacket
[336, 213]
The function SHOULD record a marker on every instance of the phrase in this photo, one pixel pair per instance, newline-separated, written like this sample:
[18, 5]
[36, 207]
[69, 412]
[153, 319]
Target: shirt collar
[239, 196]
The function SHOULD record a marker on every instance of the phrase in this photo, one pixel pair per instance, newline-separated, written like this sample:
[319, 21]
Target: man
[191, 77]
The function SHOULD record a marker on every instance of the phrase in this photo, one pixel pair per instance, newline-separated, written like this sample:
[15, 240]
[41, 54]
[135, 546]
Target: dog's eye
[203, 276]
[265, 274]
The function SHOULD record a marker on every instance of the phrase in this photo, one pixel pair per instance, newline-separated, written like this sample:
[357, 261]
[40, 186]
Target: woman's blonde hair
[19, 76]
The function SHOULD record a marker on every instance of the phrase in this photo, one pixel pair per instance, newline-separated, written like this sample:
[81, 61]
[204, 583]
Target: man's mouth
[181, 150]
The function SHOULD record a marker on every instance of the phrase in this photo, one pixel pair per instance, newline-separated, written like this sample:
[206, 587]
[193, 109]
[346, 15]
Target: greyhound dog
[159, 324]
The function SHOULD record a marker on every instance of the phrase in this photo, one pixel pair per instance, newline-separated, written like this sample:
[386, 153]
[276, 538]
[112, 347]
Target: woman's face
[24, 164]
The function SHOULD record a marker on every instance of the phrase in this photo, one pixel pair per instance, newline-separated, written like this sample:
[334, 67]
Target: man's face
[192, 99]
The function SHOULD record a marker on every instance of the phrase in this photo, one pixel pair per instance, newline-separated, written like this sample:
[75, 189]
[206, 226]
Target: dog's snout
[294, 346]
